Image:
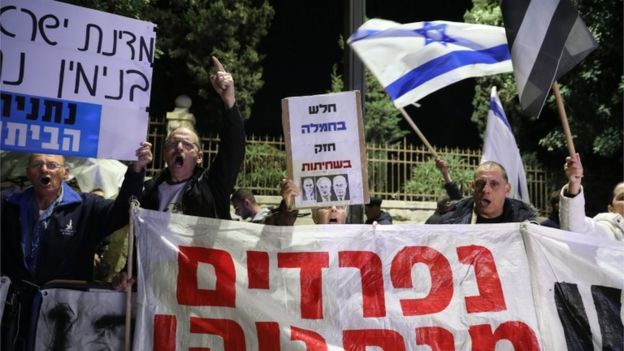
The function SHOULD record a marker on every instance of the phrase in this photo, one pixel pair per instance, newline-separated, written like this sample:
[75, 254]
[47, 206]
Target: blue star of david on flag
[434, 33]
[400, 57]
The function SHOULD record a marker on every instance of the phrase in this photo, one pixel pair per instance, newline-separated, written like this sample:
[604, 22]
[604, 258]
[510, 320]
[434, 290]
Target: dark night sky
[302, 46]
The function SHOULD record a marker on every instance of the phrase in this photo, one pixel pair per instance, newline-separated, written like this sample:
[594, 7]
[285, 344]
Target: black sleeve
[452, 190]
[227, 164]
[112, 215]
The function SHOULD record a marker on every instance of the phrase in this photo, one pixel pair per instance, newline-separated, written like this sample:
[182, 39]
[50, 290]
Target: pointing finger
[217, 64]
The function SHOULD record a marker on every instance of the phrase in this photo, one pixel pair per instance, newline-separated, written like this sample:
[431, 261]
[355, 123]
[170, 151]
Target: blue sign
[37, 124]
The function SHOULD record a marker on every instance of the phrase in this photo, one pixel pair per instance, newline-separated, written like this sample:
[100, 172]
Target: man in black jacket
[184, 186]
[489, 202]
[49, 231]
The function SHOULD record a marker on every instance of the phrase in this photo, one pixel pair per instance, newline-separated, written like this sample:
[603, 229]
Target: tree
[188, 34]
[592, 92]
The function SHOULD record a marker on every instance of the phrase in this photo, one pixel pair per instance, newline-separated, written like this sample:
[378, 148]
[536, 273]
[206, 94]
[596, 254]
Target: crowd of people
[50, 231]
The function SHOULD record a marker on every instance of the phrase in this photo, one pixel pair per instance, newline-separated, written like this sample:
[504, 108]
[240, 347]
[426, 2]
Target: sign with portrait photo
[326, 149]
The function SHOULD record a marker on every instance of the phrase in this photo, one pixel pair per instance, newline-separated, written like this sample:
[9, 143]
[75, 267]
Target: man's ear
[610, 208]
[65, 172]
[507, 188]
[200, 157]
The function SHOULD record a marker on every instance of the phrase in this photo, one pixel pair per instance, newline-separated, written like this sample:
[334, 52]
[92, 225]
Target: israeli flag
[415, 59]
[500, 146]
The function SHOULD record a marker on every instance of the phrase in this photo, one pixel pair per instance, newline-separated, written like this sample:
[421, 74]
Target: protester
[285, 214]
[553, 216]
[572, 206]
[375, 214]
[185, 186]
[489, 202]
[445, 202]
[245, 206]
[50, 231]
[451, 187]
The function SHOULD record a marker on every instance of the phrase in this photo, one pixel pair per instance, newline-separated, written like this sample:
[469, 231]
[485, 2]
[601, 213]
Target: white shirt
[169, 195]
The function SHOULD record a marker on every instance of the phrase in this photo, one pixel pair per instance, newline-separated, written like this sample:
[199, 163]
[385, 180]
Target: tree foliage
[426, 178]
[188, 34]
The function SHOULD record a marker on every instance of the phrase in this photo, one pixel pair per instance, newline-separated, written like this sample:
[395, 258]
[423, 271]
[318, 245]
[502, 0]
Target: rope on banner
[134, 209]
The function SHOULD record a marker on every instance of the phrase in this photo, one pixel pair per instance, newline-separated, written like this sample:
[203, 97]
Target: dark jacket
[75, 227]
[384, 218]
[207, 193]
[513, 211]
[66, 247]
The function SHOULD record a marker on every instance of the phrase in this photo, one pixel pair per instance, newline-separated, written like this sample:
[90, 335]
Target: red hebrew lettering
[258, 269]
[187, 291]
[441, 290]
[164, 332]
[310, 280]
[369, 265]
[268, 336]
[490, 298]
[231, 333]
[386, 340]
[519, 334]
[439, 339]
[313, 341]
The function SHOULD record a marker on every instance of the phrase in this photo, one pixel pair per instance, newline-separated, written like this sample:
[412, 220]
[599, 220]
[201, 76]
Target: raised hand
[223, 84]
[144, 157]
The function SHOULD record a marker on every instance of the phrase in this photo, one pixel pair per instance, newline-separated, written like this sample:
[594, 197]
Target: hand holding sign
[223, 83]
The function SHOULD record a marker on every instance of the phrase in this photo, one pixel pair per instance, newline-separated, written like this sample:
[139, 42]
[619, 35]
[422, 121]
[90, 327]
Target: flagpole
[564, 119]
[418, 132]
[134, 205]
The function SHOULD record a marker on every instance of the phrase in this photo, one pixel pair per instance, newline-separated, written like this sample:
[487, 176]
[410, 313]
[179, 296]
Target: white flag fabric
[226, 285]
[415, 59]
[500, 146]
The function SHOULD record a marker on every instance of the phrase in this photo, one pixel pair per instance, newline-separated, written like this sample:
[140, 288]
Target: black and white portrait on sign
[81, 320]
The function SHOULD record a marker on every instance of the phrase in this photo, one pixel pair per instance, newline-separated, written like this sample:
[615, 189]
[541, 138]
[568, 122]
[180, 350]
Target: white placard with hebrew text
[324, 134]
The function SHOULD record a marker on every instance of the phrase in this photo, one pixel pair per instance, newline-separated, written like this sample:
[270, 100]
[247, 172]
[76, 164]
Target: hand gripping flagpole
[564, 119]
[134, 207]
[418, 132]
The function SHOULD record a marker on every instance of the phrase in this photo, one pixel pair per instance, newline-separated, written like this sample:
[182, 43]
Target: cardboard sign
[326, 149]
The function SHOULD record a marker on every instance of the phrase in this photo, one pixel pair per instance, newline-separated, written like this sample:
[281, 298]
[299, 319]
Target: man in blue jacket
[50, 231]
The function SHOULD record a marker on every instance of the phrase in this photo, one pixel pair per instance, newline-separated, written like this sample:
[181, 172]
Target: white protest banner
[5, 282]
[226, 285]
[578, 281]
[75, 81]
[326, 153]
[81, 320]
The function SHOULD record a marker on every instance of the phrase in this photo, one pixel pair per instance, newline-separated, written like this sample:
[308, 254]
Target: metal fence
[390, 167]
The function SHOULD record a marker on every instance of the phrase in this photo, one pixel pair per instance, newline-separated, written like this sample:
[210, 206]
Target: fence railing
[390, 167]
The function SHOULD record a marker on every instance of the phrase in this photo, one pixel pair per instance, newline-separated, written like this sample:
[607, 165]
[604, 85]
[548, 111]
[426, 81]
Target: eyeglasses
[52, 166]
[186, 145]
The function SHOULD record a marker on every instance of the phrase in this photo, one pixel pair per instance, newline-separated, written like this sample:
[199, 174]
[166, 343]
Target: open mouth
[485, 202]
[179, 161]
[333, 220]
[45, 180]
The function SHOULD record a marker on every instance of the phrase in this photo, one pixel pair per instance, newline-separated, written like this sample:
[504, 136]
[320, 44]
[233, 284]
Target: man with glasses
[185, 186]
[50, 231]
[489, 202]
